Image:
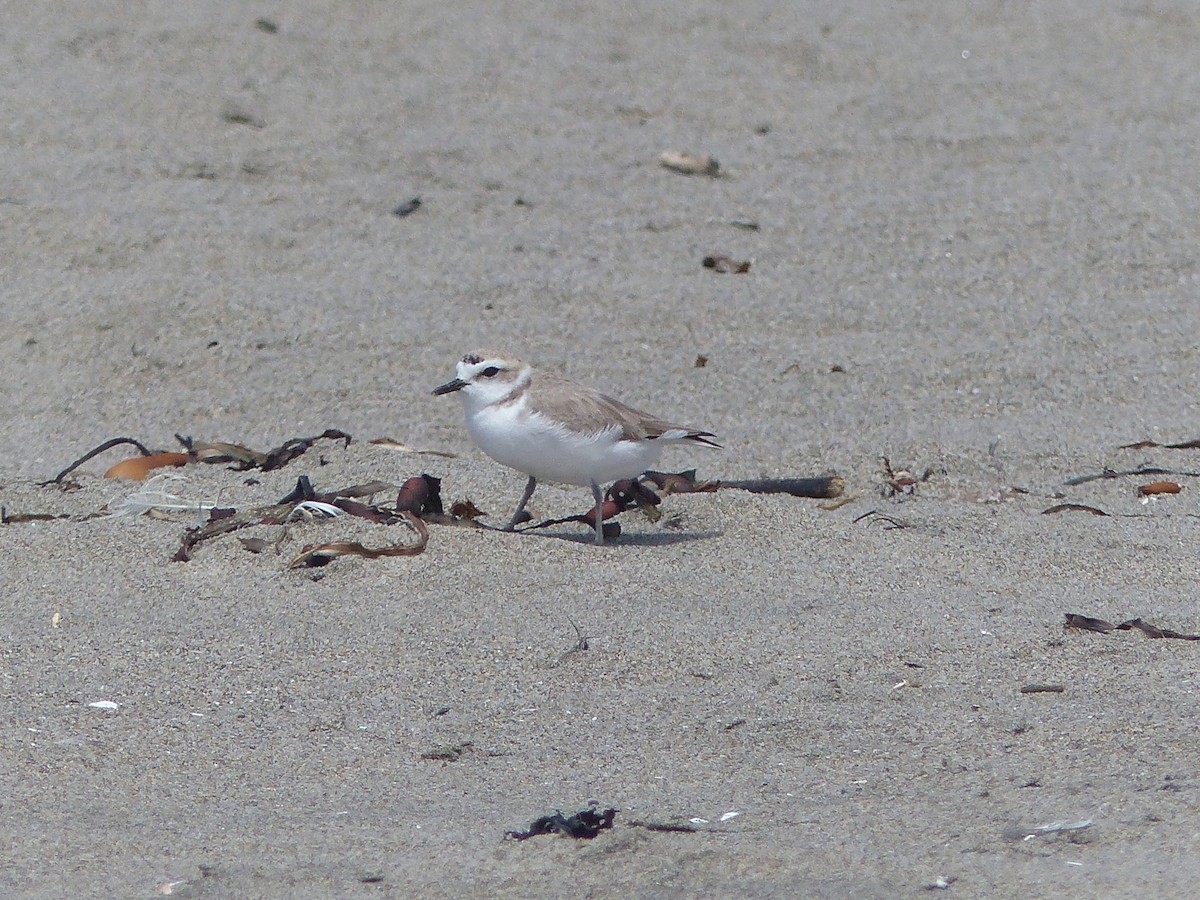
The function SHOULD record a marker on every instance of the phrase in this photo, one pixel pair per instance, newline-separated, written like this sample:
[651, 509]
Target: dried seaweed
[421, 494]
[875, 517]
[345, 500]
[1087, 623]
[1153, 631]
[7, 518]
[1144, 445]
[1074, 621]
[1140, 470]
[323, 554]
[585, 824]
[107, 445]
[244, 458]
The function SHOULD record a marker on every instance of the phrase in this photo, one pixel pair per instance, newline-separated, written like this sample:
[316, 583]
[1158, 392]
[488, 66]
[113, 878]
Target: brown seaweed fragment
[1140, 470]
[1153, 631]
[1075, 621]
[323, 554]
[244, 458]
[1145, 445]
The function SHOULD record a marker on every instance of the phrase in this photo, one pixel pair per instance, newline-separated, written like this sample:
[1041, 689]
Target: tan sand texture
[972, 235]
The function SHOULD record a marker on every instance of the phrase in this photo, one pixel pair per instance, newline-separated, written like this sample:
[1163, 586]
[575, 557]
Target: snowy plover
[553, 429]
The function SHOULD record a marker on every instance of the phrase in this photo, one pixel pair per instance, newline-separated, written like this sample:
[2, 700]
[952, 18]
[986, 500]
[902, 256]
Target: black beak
[450, 387]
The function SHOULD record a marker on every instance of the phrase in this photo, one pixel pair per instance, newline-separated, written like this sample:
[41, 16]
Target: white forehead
[473, 364]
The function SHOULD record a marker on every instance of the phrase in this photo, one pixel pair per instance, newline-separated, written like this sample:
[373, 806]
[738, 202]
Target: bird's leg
[516, 517]
[599, 495]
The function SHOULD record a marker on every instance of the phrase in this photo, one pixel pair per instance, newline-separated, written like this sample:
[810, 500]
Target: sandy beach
[972, 236]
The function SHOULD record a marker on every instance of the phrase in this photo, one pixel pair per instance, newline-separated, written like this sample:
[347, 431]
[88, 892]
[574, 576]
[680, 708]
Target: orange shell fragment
[139, 467]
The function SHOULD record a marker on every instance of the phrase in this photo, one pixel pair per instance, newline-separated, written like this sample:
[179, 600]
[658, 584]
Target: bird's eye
[490, 372]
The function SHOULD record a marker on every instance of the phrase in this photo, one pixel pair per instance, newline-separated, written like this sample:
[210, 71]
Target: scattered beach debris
[1153, 631]
[666, 826]
[466, 509]
[1043, 688]
[155, 498]
[104, 704]
[96, 451]
[312, 510]
[1145, 445]
[393, 444]
[585, 824]
[407, 209]
[266, 25]
[237, 113]
[1074, 507]
[139, 467]
[1077, 622]
[875, 517]
[745, 224]
[1126, 473]
[582, 642]
[1159, 488]
[448, 752]
[1029, 832]
[902, 481]
[329, 504]
[323, 554]
[12, 518]
[824, 487]
[690, 164]
[701, 361]
[724, 264]
[244, 458]
[940, 884]
[421, 494]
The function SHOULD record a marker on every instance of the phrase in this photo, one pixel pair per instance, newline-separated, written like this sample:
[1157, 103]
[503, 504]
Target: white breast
[531, 443]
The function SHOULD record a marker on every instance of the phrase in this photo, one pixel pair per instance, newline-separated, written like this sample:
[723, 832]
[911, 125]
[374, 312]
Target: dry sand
[985, 213]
